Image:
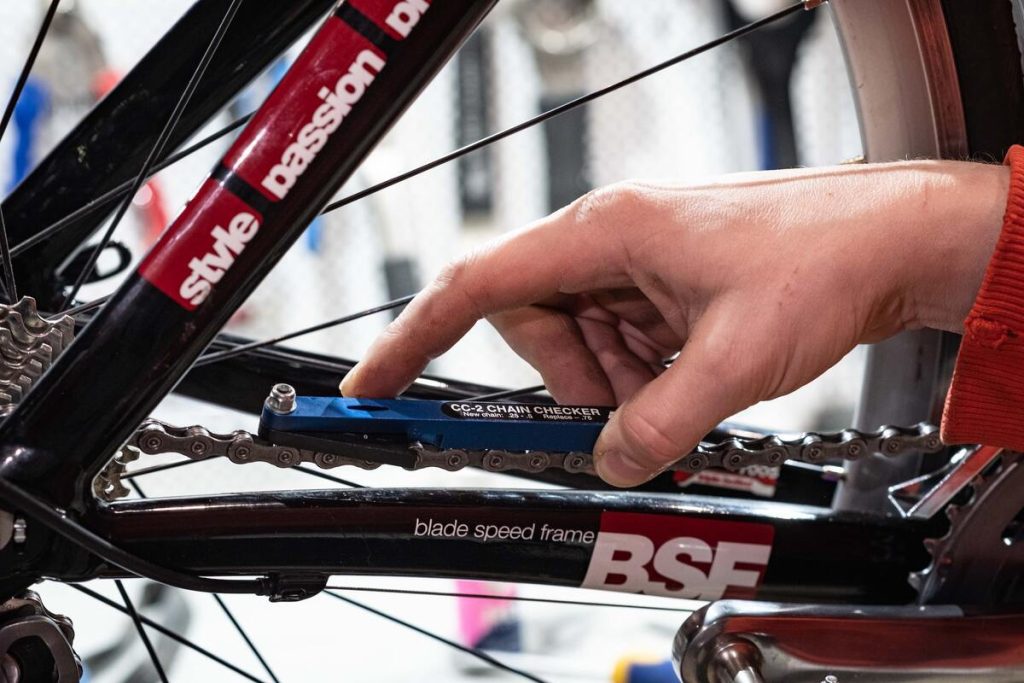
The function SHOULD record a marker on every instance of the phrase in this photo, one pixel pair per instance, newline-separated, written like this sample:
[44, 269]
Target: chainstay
[734, 453]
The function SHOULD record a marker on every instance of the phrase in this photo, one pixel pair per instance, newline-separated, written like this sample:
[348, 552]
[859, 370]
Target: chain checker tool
[424, 439]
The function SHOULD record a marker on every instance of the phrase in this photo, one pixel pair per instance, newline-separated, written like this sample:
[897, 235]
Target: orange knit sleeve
[985, 403]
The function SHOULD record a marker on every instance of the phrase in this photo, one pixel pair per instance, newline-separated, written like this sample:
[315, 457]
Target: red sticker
[309, 105]
[681, 557]
[286, 136]
[204, 242]
[760, 480]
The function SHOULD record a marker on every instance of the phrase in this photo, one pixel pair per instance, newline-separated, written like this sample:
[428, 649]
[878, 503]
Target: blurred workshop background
[780, 98]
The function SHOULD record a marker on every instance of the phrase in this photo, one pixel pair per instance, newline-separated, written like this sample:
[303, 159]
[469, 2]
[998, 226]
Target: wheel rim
[907, 95]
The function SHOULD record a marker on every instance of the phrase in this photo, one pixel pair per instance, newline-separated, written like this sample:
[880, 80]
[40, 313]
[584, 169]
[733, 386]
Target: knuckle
[453, 275]
[650, 445]
[603, 202]
[465, 279]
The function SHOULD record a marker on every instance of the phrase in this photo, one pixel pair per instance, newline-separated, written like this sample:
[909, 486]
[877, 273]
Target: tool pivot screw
[282, 399]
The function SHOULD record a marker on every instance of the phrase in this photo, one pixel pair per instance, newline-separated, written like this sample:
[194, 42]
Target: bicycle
[63, 432]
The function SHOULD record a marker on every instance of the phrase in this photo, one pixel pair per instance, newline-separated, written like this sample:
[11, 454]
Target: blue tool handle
[447, 424]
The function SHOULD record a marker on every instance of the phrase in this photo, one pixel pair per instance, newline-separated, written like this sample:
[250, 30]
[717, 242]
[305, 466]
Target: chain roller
[733, 454]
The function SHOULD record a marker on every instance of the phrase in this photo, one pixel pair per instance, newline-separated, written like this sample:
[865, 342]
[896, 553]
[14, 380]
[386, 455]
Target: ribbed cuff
[985, 403]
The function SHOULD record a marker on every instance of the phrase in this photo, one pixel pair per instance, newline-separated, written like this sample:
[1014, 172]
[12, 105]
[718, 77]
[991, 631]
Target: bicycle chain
[733, 454]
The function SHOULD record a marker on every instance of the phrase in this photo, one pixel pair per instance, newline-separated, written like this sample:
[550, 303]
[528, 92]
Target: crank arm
[734, 641]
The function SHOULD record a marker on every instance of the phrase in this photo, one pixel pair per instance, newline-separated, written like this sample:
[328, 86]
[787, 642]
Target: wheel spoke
[157, 149]
[86, 307]
[245, 637]
[177, 637]
[159, 468]
[119, 191]
[562, 109]
[131, 476]
[516, 598]
[483, 656]
[328, 477]
[480, 144]
[220, 601]
[509, 393]
[5, 249]
[456, 154]
[141, 630]
[215, 356]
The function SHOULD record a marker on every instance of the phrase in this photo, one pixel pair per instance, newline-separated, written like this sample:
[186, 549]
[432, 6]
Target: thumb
[665, 419]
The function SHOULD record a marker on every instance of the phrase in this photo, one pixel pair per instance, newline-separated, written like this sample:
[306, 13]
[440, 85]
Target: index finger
[575, 249]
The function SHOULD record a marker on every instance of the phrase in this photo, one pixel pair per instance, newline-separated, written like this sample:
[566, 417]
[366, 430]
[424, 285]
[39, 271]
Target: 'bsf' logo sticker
[680, 557]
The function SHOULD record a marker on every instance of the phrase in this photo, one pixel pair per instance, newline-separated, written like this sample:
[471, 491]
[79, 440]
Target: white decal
[406, 15]
[620, 563]
[337, 103]
[208, 269]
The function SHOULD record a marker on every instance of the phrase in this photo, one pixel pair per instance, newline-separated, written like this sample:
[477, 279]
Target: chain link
[733, 454]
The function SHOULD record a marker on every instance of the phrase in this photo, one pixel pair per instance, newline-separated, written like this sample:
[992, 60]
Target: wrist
[958, 218]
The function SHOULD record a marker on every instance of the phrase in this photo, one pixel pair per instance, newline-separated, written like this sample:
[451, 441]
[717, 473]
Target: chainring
[980, 560]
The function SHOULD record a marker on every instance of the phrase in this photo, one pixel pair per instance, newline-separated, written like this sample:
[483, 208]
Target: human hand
[761, 282]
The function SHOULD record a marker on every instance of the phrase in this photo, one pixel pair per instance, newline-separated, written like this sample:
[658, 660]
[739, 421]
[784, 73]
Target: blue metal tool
[466, 425]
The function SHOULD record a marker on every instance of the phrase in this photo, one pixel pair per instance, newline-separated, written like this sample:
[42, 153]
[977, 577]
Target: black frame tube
[109, 145]
[817, 554]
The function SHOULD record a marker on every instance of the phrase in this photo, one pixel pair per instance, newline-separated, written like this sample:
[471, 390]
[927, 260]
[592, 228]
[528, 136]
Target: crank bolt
[736, 659]
[282, 399]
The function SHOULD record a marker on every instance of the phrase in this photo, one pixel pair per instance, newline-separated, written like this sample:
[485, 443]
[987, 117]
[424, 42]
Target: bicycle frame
[361, 70]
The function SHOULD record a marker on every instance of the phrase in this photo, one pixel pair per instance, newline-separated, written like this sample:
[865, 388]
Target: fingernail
[348, 382]
[618, 469]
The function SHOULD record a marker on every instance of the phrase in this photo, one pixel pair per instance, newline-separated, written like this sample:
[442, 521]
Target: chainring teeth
[995, 498]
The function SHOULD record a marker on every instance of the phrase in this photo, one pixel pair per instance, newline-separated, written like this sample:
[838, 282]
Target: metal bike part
[980, 559]
[23, 618]
[850, 644]
[20, 530]
[913, 112]
[29, 344]
[924, 496]
[736, 660]
[281, 400]
[390, 444]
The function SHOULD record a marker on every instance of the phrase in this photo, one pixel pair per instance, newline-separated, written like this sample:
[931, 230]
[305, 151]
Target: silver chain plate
[733, 454]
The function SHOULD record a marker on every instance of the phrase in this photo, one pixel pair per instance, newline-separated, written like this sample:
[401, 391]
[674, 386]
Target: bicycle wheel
[918, 72]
